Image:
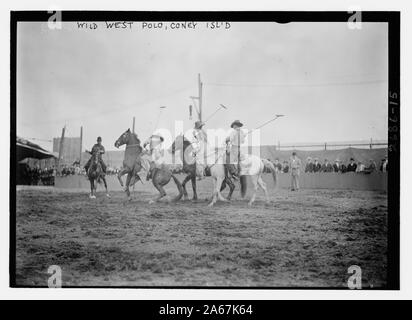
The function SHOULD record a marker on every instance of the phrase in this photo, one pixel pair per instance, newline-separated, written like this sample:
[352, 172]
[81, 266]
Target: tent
[26, 149]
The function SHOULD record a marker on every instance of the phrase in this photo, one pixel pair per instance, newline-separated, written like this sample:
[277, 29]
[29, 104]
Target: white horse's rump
[256, 170]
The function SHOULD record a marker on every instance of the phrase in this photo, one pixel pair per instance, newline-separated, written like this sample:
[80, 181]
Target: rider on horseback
[199, 139]
[154, 147]
[99, 149]
[233, 143]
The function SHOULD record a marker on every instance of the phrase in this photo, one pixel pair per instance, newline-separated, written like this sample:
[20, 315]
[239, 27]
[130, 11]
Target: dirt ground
[301, 239]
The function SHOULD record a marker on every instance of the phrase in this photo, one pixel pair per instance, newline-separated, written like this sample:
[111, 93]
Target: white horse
[252, 166]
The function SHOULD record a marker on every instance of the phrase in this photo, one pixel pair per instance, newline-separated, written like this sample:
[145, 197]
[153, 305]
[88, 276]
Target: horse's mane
[135, 135]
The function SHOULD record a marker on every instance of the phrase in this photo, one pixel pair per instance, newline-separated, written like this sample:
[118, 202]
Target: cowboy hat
[99, 138]
[199, 124]
[157, 137]
[236, 123]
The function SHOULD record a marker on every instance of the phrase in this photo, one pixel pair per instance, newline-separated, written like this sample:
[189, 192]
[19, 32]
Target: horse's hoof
[210, 204]
[108, 195]
[249, 204]
[194, 199]
[92, 197]
[186, 197]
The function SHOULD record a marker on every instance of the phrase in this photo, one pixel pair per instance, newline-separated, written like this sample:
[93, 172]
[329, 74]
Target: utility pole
[81, 145]
[200, 84]
[61, 149]
[134, 120]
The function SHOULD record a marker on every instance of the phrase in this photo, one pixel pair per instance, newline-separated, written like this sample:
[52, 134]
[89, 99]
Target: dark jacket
[309, 167]
[327, 167]
[351, 167]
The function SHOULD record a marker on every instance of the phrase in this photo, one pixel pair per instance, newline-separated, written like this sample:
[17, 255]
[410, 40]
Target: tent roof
[26, 149]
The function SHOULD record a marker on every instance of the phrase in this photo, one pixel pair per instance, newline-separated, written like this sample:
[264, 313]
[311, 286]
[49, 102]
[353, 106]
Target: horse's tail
[243, 186]
[269, 165]
[179, 187]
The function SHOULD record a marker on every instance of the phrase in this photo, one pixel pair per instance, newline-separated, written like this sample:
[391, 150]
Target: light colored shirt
[295, 163]
[158, 154]
[236, 137]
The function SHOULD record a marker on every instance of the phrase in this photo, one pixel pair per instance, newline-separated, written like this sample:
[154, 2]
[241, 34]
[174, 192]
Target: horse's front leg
[92, 196]
[161, 191]
[105, 185]
[129, 177]
[185, 196]
[214, 195]
[218, 187]
[120, 175]
[231, 185]
[255, 187]
[194, 187]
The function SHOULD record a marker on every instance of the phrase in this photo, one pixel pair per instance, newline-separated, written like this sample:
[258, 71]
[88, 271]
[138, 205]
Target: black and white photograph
[213, 150]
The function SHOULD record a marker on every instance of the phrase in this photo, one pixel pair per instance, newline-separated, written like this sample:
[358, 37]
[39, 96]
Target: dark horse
[132, 163]
[189, 167]
[96, 174]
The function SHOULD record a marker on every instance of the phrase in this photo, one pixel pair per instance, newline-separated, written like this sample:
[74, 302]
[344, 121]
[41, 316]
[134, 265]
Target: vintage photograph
[201, 154]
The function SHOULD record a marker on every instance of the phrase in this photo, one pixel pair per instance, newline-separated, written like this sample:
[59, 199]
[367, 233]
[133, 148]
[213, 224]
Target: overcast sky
[329, 81]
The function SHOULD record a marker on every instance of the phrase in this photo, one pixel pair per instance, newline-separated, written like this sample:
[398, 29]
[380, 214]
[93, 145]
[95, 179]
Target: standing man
[199, 141]
[233, 143]
[295, 165]
[98, 147]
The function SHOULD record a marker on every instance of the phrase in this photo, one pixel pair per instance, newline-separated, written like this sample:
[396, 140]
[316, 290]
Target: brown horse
[132, 163]
[96, 175]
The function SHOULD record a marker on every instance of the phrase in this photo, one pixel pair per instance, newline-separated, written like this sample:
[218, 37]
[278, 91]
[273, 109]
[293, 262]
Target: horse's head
[95, 159]
[124, 139]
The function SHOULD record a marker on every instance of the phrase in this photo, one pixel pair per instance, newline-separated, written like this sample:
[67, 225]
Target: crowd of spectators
[313, 165]
[76, 169]
[34, 176]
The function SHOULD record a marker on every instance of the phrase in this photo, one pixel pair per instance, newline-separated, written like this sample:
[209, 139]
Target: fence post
[325, 145]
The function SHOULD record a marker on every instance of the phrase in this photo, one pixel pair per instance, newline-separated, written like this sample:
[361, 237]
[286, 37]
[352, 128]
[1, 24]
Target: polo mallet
[265, 123]
[221, 106]
[158, 117]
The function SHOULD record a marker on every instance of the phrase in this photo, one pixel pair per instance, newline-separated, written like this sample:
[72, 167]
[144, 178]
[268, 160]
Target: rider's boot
[233, 171]
[150, 172]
